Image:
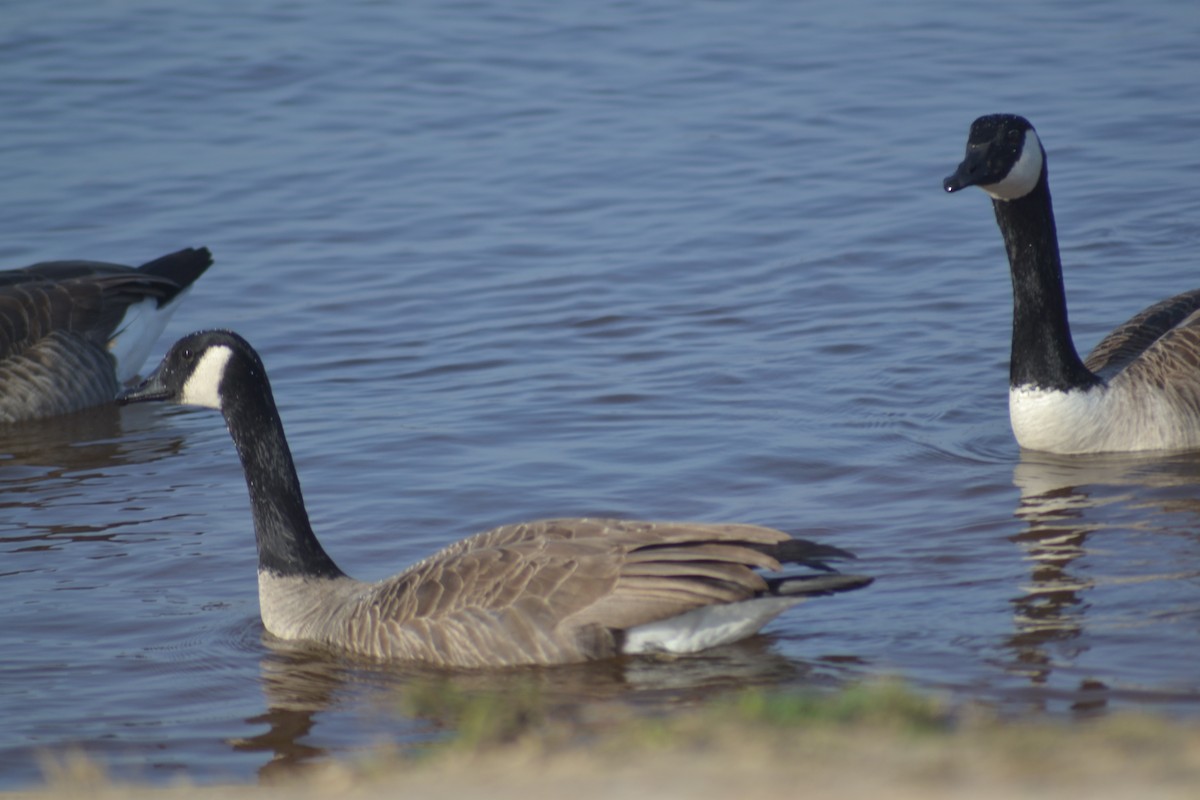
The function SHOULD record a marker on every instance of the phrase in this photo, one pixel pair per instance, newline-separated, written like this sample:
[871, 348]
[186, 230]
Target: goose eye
[1014, 136]
[187, 354]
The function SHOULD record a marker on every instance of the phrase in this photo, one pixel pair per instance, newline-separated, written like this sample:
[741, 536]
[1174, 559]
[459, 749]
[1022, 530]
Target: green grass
[479, 718]
[885, 703]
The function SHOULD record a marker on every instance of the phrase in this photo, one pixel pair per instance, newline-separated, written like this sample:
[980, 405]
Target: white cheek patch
[1024, 175]
[203, 385]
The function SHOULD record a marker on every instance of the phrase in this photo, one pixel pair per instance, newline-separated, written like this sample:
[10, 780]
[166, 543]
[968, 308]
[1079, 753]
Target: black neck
[1043, 354]
[287, 545]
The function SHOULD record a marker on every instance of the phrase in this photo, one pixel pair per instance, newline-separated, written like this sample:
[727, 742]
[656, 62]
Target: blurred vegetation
[878, 738]
[487, 717]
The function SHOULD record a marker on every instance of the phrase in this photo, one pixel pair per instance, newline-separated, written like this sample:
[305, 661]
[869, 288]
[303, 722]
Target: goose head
[1004, 158]
[200, 370]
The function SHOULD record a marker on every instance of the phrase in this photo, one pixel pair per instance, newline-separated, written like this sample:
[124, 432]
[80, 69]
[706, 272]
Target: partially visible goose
[1139, 389]
[71, 332]
[547, 592]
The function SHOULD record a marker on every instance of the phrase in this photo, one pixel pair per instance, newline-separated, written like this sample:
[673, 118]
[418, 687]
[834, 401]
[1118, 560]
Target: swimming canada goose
[71, 332]
[1139, 389]
[547, 592]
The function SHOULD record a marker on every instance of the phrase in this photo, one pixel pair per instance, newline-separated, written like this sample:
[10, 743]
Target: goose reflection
[1069, 506]
[310, 693]
[96, 439]
[50, 468]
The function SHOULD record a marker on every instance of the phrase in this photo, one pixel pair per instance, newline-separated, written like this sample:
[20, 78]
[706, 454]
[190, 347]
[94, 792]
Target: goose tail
[715, 625]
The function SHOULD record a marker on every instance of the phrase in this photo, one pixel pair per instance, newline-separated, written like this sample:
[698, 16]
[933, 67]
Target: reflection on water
[1078, 541]
[86, 440]
[302, 685]
[95, 439]
[49, 467]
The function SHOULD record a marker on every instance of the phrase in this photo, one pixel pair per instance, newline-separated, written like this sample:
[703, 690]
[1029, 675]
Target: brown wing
[1171, 367]
[87, 306]
[1125, 344]
[86, 298]
[556, 590]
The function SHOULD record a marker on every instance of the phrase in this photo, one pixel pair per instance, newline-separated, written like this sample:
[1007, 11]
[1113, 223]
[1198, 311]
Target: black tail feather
[182, 268]
[806, 553]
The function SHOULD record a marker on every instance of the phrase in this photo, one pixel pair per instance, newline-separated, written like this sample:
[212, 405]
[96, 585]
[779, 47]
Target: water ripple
[504, 265]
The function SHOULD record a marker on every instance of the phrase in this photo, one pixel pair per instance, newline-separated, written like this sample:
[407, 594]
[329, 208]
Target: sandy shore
[1124, 756]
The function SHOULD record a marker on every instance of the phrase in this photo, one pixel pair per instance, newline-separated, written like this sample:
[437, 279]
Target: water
[511, 261]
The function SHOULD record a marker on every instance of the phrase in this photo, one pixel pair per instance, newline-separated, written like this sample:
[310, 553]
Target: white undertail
[134, 338]
[708, 626]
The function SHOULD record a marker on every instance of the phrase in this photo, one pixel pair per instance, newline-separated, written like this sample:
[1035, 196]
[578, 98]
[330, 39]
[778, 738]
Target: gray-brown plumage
[547, 592]
[72, 331]
[1163, 325]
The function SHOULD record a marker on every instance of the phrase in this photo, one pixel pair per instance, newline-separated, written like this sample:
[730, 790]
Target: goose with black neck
[546, 592]
[1139, 388]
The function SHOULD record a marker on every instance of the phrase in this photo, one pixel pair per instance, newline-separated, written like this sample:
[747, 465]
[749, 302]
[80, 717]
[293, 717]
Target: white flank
[202, 387]
[709, 626]
[1119, 417]
[134, 338]
[1024, 175]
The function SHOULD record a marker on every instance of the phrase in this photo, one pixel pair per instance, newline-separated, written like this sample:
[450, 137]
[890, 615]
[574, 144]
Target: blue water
[517, 260]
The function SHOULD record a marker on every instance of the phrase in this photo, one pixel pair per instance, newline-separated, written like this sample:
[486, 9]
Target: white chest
[305, 608]
[1097, 420]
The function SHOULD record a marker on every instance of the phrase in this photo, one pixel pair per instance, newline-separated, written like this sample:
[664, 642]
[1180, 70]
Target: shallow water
[524, 260]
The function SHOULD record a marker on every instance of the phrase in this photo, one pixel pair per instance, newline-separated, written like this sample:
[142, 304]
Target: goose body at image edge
[1139, 388]
[72, 332]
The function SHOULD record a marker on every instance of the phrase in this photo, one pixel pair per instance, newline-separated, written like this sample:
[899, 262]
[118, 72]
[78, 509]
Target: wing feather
[1149, 328]
[556, 590]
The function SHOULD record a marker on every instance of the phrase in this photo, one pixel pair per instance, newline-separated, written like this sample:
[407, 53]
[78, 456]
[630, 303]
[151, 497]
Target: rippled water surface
[517, 260]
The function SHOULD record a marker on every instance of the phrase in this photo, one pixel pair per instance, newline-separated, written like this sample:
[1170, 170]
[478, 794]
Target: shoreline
[882, 742]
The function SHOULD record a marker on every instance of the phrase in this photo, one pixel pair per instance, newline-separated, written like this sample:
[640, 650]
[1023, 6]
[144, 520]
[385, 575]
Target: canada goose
[1139, 389]
[71, 332]
[546, 592]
